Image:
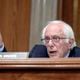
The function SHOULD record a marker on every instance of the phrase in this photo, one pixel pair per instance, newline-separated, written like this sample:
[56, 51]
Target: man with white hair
[59, 41]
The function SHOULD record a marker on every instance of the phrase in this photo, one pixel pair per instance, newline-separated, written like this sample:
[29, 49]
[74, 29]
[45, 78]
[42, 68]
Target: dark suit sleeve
[38, 51]
[75, 52]
[4, 50]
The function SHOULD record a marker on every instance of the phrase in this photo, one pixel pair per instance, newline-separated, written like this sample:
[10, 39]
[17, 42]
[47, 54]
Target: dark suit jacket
[4, 50]
[40, 51]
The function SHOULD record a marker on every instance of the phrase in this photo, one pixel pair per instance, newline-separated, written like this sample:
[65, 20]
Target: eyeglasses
[55, 39]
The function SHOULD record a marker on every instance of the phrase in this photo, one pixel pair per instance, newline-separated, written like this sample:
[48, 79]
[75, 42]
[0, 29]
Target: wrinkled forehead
[55, 29]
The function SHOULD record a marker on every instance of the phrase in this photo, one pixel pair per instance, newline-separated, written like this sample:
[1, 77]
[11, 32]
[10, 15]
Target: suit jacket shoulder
[38, 51]
[75, 52]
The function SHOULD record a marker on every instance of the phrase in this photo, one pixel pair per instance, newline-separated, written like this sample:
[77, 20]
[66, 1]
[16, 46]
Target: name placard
[13, 55]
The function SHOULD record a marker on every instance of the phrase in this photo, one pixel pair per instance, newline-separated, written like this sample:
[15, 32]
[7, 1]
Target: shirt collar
[67, 55]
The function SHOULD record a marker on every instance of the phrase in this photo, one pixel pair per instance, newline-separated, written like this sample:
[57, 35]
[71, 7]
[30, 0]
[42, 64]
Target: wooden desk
[40, 69]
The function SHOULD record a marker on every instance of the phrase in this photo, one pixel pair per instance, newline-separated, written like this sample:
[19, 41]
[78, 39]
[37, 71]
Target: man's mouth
[52, 53]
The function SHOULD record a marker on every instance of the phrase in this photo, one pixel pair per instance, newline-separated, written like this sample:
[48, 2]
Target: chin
[52, 56]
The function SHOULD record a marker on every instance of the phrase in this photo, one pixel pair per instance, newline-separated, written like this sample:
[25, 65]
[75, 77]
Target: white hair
[67, 30]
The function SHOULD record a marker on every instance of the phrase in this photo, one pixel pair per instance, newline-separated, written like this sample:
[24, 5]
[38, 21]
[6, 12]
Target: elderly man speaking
[59, 41]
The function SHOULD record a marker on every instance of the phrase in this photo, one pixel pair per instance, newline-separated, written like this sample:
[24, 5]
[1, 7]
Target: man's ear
[71, 41]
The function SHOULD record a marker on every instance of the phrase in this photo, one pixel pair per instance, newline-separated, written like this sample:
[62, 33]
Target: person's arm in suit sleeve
[2, 47]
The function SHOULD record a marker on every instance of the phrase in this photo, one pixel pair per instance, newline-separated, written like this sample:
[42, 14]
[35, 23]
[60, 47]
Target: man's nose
[50, 43]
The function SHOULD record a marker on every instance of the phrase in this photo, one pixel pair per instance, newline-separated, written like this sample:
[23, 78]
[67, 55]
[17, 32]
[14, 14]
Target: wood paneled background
[69, 11]
[15, 24]
[15, 21]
